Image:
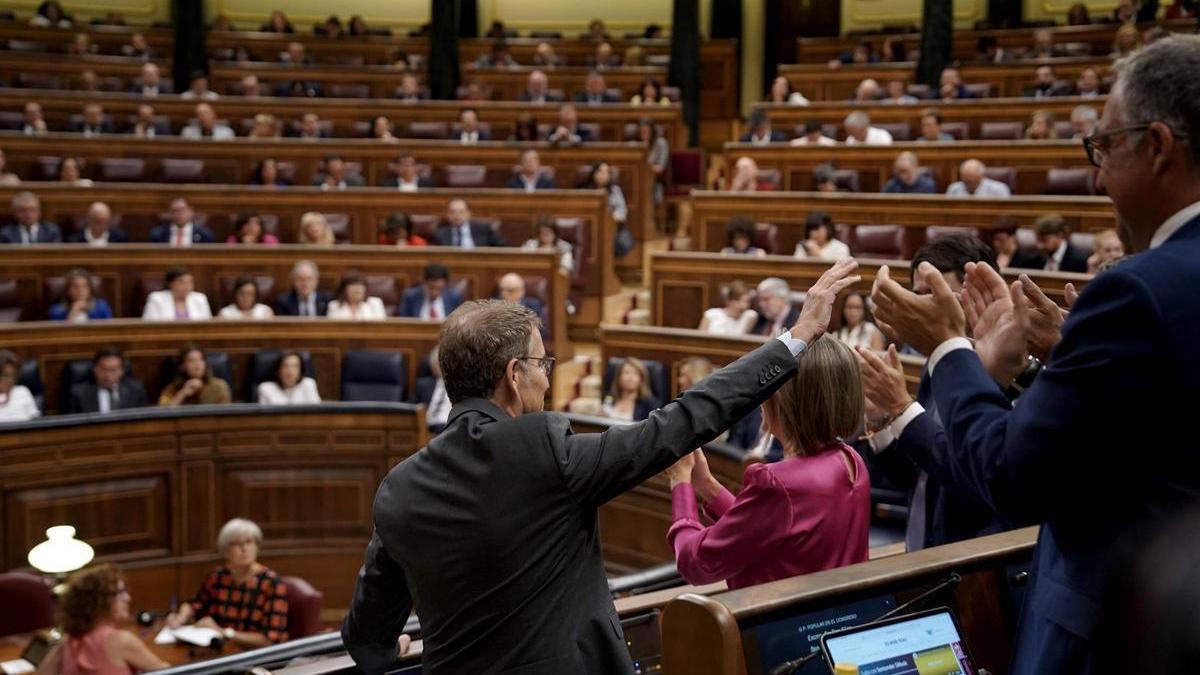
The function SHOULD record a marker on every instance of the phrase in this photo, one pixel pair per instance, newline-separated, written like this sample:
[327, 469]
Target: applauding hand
[999, 316]
[818, 302]
[883, 382]
[681, 471]
[923, 321]
[1046, 318]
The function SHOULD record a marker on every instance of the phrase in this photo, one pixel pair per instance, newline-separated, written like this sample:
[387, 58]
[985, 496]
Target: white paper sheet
[201, 637]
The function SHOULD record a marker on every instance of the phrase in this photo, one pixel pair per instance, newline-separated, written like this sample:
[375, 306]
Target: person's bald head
[536, 83]
[206, 115]
[512, 287]
[99, 215]
[971, 173]
[150, 74]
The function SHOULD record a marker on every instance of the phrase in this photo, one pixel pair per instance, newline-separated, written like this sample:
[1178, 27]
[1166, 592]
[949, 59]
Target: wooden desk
[177, 654]
[1031, 159]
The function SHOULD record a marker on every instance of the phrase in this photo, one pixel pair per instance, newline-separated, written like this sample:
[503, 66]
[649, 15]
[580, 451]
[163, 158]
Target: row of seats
[961, 131]
[1065, 182]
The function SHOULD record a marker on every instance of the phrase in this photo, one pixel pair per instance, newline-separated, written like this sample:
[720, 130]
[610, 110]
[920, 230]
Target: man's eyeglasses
[1096, 144]
[545, 362]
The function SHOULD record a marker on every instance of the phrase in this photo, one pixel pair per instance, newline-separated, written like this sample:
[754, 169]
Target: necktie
[179, 236]
[114, 399]
[914, 532]
[433, 310]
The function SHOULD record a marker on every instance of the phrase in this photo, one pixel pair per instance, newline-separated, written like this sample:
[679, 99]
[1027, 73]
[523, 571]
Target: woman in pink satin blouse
[809, 512]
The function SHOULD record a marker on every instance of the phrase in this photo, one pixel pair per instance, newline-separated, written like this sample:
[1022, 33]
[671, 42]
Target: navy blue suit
[414, 299]
[1079, 453]
[544, 182]
[161, 234]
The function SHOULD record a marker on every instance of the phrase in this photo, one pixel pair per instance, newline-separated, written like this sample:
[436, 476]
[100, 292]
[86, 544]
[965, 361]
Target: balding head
[536, 83]
[512, 287]
[457, 212]
[99, 215]
[868, 90]
[206, 115]
[971, 173]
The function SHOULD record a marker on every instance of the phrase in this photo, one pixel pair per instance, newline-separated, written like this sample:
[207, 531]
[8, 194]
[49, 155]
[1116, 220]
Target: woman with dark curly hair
[95, 600]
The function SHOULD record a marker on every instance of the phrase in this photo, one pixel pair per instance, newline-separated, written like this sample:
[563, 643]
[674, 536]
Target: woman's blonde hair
[696, 368]
[823, 402]
[326, 237]
[614, 388]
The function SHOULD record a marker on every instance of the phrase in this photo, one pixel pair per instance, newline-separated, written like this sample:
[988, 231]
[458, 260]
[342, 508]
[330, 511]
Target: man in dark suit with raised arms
[1075, 453]
[491, 530]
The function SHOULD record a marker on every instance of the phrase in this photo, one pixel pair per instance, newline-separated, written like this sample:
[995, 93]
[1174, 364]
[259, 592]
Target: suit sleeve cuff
[683, 503]
[886, 436]
[794, 345]
[945, 348]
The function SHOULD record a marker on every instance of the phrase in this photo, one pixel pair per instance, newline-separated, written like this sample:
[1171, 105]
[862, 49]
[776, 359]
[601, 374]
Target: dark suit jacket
[1073, 260]
[1027, 259]
[544, 182]
[764, 324]
[1068, 454]
[777, 136]
[550, 97]
[539, 309]
[492, 531]
[161, 234]
[163, 88]
[85, 399]
[394, 181]
[414, 298]
[584, 134]
[351, 180]
[482, 235]
[457, 135]
[48, 233]
[289, 304]
[115, 236]
[582, 97]
[79, 126]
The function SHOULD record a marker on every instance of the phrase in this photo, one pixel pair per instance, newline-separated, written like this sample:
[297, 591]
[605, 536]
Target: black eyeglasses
[545, 362]
[1096, 144]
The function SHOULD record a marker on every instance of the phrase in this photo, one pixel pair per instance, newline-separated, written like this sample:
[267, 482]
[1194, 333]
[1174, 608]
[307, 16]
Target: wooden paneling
[1031, 159]
[713, 210]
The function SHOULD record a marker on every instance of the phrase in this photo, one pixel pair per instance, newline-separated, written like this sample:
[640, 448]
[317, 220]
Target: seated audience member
[1108, 248]
[406, 178]
[357, 27]
[1126, 41]
[568, 131]
[543, 55]
[1046, 85]
[825, 178]
[820, 241]
[809, 512]
[475, 93]
[973, 182]
[194, 383]
[277, 23]
[295, 55]
[98, 229]
[863, 52]
[782, 91]
[1089, 85]
[867, 91]
[601, 178]
[88, 80]
[760, 132]
[182, 231]
[433, 395]
[433, 299]
[1002, 238]
[16, 401]
[776, 313]
[82, 45]
[908, 178]
[629, 396]
[1078, 15]
[410, 89]
[739, 238]
[499, 56]
[511, 288]
[660, 153]
[266, 174]
[305, 299]
[537, 89]
[96, 601]
[331, 28]
[198, 89]
[595, 91]
[245, 305]
[530, 176]
[547, 239]
[950, 85]
[736, 317]
[692, 371]
[469, 132]
[7, 178]
[858, 328]
[859, 130]
[814, 134]
[79, 303]
[1041, 126]
[1043, 46]
[526, 129]
[138, 48]
[603, 57]
[29, 227]
[206, 126]
[93, 123]
[309, 128]
[69, 172]
[1055, 252]
[456, 229]
[315, 230]
[108, 389]
[335, 176]
[352, 303]
[1083, 120]
[650, 93]
[300, 89]
[382, 129]
[288, 385]
[150, 83]
[145, 125]
[897, 93]
[931, 126]
[179, 301]
[745, 176]
[243, 598]
[248, 230]
[33, 123]
[50, 14]
[397, 231]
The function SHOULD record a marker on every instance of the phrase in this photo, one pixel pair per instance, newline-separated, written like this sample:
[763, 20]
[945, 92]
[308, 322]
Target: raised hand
[1000, 316]
[1045, 319]
[818, 302]
[681, 471]
[703, 482]
[883, 381]
[923, 321]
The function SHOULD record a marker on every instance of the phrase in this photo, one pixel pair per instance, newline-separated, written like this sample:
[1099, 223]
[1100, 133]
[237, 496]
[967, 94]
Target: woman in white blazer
[289, 386]
[179, 301]
[352, 302]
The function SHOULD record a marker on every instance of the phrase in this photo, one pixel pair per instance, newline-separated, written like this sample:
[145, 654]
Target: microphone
[148, 617]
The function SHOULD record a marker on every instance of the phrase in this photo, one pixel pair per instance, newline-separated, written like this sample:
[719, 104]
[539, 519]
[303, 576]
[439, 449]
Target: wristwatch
[228, 633]
[1025, 379]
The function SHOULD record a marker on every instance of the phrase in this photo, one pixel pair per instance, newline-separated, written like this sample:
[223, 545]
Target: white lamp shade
[61, 552]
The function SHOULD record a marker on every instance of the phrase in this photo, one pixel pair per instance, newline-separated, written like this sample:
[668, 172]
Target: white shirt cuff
[794, 345]
[888, 435]
[945, 348]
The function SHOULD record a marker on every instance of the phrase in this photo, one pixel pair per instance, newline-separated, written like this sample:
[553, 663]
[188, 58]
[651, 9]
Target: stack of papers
[201, 637]
[16, 667]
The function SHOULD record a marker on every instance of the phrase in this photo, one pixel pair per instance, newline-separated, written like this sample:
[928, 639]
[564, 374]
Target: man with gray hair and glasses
[1127, 364]
[491, 530]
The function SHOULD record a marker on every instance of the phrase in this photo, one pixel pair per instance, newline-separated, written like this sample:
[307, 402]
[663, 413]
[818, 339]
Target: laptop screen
[927, 643]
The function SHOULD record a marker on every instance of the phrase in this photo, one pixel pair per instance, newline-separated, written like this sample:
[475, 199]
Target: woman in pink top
[95, 600]
[809, 512]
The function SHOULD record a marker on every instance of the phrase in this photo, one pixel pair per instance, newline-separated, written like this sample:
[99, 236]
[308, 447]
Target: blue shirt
[100, 310]
[923, 185]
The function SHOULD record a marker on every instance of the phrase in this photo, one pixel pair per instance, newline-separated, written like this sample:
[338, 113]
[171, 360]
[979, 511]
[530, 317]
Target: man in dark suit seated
[469, 132]
[1046, 85]
[775, 309]
[110, 389]
[595, 92]
[98, 230]
[950, 85]
[151, 82]
[494, 526]
[305, 299]
[530, 177]
[458, 230]
[760, 131]
[93, 123]
[1070, 455]
[335, 176]
[406, 178]
[568, 131]
[309, 128]
[511, 287]
[537, 89]
[1054, 250]
[182, 231]
[29, 227]
[433, 299]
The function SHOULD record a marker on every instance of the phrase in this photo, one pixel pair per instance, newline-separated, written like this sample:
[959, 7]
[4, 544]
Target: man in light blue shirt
[973, 183]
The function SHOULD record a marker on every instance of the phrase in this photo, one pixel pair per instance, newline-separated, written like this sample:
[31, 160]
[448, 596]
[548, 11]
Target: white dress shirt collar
[94, 240]
[1055, 262]
[408, 186]
[1171, 225]
[469, 137]
[181, 240]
